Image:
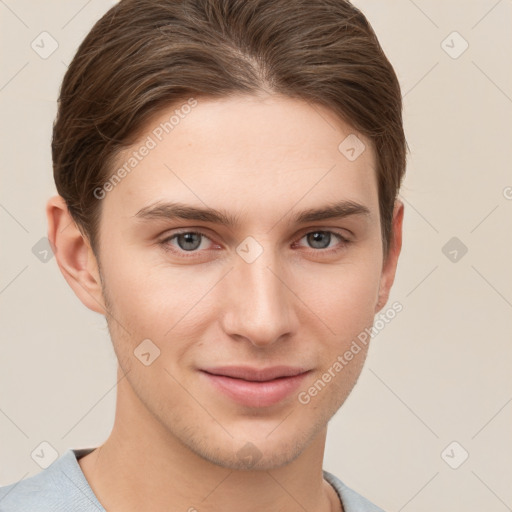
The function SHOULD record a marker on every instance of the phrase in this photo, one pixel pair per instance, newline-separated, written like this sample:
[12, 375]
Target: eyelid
[344, 233]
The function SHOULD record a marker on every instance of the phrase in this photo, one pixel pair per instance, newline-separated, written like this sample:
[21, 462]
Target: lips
[255, 387]
[255, 374]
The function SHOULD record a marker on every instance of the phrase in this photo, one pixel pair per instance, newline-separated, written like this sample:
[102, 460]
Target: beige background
[438, 373]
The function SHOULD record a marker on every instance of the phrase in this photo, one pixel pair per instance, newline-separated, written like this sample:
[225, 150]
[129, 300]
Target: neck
[141, 466]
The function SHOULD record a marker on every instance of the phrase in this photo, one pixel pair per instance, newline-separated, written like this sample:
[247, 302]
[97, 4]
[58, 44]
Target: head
[228, 175]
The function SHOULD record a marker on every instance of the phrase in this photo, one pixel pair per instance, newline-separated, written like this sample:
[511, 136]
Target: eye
[321, 240]
[194, 242]
[186, 241]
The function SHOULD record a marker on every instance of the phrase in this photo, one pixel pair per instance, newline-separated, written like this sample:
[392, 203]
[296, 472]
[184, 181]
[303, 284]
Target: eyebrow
[181, 211]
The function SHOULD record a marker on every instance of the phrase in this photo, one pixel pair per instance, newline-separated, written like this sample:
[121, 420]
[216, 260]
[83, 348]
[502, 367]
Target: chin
[246, 451]
[251, 457]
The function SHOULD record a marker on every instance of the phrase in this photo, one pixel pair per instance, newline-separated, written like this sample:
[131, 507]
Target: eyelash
[165, 243]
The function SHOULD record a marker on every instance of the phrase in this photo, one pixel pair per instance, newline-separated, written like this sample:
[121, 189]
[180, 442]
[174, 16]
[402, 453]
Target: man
[227, 174]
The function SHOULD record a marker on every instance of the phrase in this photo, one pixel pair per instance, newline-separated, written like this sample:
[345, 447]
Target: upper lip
[255, 374]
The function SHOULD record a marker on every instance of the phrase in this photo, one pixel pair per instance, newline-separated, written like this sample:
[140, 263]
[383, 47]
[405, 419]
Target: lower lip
[256, 394]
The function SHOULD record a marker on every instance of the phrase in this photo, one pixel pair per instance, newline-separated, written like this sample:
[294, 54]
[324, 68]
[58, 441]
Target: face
[248, 304]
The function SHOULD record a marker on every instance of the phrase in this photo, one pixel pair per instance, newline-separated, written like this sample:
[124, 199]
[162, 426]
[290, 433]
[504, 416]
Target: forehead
[246, 154]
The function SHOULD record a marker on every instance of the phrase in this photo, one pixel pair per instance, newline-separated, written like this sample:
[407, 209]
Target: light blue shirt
[62, 487]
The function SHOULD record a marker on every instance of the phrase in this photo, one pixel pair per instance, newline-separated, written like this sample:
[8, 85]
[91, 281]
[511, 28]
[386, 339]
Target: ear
[74, 255]
[389, 266]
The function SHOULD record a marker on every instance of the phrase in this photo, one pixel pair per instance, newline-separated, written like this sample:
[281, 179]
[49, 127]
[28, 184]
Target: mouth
[256, 387]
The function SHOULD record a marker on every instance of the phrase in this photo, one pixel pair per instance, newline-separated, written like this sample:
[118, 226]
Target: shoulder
[60, 487]
[352, 501]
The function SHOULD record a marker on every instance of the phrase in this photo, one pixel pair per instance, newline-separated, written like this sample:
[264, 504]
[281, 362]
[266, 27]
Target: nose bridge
[258, 306]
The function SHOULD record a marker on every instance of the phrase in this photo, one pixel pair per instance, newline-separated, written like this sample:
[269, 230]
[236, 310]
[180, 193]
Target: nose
[259, 305]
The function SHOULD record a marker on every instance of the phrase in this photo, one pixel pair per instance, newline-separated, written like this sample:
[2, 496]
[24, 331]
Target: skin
[175, 438]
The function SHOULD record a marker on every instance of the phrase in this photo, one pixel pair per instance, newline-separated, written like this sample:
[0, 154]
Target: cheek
[344, 296]
[133, 299]
[152, 299]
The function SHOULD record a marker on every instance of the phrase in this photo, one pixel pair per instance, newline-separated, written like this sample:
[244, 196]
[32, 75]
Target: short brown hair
[145, 55]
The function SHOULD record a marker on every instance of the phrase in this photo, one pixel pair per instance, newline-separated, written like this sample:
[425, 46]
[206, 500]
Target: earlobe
[391, 261]
[74, 255]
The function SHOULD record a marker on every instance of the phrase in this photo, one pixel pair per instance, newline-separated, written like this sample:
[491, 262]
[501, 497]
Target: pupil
[189, 239]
